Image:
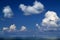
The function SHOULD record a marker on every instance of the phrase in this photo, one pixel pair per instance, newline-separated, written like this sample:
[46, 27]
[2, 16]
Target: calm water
[29, 38]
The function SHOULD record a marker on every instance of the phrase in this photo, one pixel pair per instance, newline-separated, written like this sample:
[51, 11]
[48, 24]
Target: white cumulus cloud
[37, 8]
[7, 12]
[23, 28]
[12, 27]
[50, 21]
[50, 18]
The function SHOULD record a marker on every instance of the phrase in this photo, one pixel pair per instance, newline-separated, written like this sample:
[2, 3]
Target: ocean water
[29, 38]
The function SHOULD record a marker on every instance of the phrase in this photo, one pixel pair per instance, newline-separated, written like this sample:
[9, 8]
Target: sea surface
[29, 38]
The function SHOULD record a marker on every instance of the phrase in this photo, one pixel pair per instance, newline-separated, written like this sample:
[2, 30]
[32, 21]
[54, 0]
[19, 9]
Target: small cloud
[12, 27]
[23, 28]
[38, 26]
[37, 8]
[5, 28]
[7, 12]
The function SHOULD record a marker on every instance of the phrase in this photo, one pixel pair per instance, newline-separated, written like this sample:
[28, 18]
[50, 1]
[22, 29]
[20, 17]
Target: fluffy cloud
[35, 9]
[12, 27]
[7, 12]
[23, 28]
[50, 21]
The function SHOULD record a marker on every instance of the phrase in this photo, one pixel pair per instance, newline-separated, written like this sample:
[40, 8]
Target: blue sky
[29, 17]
